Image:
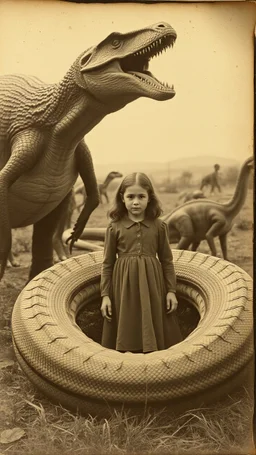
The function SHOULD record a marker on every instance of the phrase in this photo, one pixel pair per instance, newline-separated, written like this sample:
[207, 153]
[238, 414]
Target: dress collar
[127, 222]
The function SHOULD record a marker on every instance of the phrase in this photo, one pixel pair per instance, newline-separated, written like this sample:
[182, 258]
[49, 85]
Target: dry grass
[49, 429]
[224, 428]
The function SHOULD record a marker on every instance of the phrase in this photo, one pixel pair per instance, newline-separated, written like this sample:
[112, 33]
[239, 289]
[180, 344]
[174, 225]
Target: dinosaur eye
[116, 43]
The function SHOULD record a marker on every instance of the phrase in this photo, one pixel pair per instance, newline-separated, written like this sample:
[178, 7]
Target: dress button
[138, 235]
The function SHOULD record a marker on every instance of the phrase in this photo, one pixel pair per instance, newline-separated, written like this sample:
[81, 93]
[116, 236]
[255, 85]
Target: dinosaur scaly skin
[42, 127]
[204, 219]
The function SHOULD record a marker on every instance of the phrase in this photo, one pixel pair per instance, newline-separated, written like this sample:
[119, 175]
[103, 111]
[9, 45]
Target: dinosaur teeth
[137, 63]
[161, 85]
[157, 47]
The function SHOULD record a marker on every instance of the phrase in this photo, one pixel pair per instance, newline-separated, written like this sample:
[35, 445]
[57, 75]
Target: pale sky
[210, 65]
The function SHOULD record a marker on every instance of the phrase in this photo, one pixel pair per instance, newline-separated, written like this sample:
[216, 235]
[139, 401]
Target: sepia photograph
[126, 228]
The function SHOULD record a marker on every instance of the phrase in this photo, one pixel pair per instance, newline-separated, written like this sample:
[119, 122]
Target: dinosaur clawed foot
[72, 239]
[80, 225]
[75, 234]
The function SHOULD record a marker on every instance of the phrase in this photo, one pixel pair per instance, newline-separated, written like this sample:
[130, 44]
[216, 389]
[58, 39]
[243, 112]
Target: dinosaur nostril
[160, 26]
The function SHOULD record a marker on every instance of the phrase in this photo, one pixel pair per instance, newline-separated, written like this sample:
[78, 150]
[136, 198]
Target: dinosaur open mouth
[137, 64]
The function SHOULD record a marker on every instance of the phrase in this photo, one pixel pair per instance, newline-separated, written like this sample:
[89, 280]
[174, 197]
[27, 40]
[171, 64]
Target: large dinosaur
[204, 219]
[42, 127]
[199, 219]
[212, 180]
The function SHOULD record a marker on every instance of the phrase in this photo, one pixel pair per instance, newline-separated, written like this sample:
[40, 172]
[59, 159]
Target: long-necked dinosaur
[212, 180]
[103, 186]
[42, 127]
[204, 219]
[199, 219]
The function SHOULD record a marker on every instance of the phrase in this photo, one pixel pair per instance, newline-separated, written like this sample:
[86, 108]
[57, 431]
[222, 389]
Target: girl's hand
[171, 302]
[106, 310]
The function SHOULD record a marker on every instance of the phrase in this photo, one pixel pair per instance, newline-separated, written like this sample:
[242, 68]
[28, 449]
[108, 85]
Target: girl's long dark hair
[119, 210]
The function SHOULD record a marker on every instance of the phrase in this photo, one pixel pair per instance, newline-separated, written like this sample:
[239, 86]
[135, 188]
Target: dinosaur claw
[68, 239]
[77, 231]
[71, 246]
[72, 240]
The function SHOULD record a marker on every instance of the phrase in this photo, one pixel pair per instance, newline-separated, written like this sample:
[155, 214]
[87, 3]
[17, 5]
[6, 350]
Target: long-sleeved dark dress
[137, 273]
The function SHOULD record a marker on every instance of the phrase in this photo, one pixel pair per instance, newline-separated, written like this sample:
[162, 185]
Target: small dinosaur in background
[102, 187]
[186, 196]
[212, 180]
[204, 219]
[42, 129]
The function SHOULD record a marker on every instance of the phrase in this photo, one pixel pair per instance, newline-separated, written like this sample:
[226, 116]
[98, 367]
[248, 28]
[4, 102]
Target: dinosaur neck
[235, 204]
[67, 105]
[107, 181]
[73, 109]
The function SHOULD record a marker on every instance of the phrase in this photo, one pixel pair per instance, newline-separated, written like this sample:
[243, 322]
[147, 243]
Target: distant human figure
[138, 281]
[212, 179]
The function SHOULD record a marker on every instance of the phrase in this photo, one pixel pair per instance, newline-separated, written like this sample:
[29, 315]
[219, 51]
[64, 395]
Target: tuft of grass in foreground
[51, 429]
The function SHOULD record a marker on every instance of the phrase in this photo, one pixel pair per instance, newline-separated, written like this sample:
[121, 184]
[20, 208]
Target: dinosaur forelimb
[86, 171]
[90, 204]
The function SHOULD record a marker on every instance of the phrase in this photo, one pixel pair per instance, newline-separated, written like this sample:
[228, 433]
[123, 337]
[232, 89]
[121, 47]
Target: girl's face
[135, 199]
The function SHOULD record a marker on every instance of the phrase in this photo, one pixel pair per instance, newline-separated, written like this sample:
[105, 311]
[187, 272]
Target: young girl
[138, 281]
